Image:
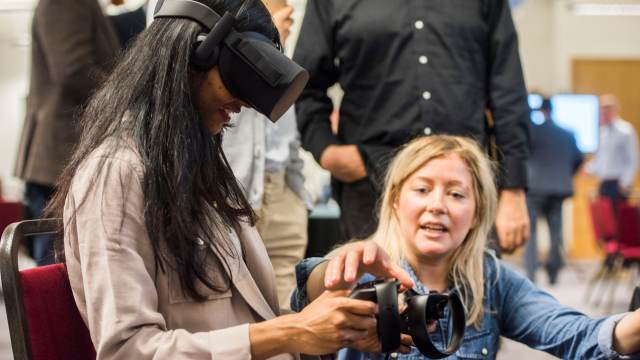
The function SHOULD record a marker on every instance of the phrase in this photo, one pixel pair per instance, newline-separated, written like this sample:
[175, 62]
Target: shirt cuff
[605, 339]
[513, 173]
[299, 299]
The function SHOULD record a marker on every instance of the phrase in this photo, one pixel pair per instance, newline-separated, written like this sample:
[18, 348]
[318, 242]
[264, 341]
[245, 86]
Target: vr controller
[413, 320]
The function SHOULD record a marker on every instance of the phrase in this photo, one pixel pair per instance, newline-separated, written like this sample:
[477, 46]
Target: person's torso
[252, 296]
[551, 159]
[411, 68]
[612, 155]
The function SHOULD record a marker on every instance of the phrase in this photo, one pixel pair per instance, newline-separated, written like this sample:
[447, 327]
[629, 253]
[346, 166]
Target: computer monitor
[576, 113]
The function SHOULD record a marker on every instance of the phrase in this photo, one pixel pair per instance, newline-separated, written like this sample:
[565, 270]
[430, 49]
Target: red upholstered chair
[606, 234]
[10, 212]
[44, 321]
[629, 246]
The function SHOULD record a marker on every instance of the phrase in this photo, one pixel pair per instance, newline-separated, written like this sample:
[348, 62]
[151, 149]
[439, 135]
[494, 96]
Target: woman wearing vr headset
[162, 255]
[436, 212]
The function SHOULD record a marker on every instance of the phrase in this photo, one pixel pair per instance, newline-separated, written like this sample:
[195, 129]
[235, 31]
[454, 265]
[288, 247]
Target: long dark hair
[185, 176]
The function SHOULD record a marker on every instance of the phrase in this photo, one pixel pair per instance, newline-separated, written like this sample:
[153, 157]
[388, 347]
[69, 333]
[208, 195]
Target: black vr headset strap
[187, 9]
[220, 30]
[253, 56]
[208, 19]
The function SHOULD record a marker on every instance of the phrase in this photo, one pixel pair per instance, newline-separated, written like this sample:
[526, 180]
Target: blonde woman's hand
[355, 259]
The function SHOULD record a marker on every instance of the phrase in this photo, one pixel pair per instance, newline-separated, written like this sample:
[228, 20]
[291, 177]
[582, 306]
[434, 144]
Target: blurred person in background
[554, 158]
[130, 23]
[616, 160]
[264, 157]
[72, 44]
[409, 69]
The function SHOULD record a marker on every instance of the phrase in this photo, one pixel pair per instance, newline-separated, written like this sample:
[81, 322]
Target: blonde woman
[436, 212]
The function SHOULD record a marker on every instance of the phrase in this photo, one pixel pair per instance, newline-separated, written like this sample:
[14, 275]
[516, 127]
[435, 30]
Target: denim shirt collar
[418, 287]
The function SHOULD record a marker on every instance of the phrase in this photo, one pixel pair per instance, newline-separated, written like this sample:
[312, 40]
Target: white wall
[551, 37]
[536, 26]
[15, 24]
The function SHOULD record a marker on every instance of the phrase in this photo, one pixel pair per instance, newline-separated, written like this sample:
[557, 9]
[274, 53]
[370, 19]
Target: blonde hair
[467, 260]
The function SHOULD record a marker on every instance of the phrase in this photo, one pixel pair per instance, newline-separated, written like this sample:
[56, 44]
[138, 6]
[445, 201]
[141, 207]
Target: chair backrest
[44, 322]
[604, 223]
[629, 227]
[10, 212]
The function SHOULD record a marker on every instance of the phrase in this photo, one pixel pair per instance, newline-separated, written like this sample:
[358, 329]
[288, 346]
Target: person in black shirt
[412, 68]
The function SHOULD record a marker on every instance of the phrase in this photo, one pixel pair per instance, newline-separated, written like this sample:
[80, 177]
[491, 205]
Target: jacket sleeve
[315, 51]
[118, 274]
[533, 317]
[507, 97]
[66, 32]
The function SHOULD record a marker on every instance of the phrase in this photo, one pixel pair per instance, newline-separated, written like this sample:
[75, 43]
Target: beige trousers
[282, 225]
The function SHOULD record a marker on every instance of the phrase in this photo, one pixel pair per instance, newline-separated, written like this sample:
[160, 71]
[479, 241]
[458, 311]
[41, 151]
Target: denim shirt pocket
[476, 345]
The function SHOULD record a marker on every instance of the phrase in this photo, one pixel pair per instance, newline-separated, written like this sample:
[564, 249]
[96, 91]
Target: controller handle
[385, 294]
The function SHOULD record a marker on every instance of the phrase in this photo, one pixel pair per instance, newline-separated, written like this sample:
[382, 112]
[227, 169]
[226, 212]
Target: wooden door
[593, 76]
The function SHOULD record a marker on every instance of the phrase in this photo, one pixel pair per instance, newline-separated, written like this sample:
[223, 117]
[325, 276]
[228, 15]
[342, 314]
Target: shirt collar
[417, 285]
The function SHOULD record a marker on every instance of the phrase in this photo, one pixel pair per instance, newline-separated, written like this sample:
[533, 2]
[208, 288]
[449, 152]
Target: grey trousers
[549, 206]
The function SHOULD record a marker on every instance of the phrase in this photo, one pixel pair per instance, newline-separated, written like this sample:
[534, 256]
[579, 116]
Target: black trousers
[610, 189]
[358, 210]
[36, 197]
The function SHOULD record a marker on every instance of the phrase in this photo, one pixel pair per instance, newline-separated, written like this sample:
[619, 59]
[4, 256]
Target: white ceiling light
[606, 9]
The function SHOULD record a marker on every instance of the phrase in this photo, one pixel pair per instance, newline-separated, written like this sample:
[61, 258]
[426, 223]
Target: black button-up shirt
[410, 68]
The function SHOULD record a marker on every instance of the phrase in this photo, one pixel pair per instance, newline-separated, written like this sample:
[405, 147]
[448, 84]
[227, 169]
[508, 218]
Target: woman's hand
[371, 344]
[330, 323]
[333, 322]
[356, 259]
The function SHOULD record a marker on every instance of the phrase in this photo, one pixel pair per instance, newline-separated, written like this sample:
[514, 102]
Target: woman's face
[216, 102]
[436, 207]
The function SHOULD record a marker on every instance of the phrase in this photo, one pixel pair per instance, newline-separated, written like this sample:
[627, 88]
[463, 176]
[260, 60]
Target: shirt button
[394, 355]
[419, 24]
[256, 153]
[423, 59]
[485, 351]
[426, 95]
[427, 131]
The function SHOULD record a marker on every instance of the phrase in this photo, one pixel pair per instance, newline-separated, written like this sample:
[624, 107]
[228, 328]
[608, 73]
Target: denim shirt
[514, 308]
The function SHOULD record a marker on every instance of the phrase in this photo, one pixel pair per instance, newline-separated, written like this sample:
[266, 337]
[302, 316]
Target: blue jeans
[549, 206]
[36, 198]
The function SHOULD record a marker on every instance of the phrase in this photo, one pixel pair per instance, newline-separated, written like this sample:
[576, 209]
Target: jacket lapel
[255, 280]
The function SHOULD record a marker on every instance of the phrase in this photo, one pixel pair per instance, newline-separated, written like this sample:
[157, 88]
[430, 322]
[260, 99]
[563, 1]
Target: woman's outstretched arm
[349, 264]
[535, 318]
[626, 334]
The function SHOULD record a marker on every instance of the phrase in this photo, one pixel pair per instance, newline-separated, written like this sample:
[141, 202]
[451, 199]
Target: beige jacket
[133, 309]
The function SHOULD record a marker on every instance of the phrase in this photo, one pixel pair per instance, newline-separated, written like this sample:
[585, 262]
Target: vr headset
[413, 320]
[251, 66]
